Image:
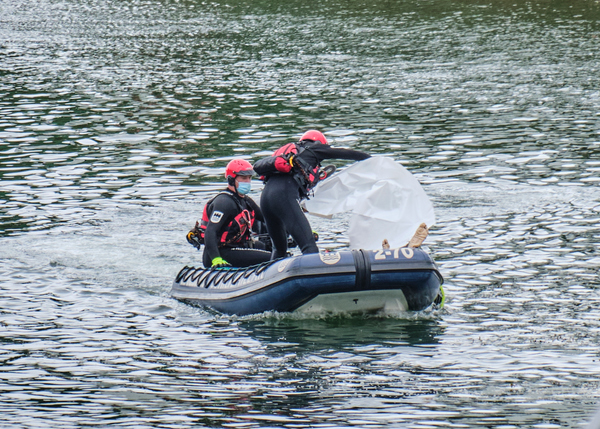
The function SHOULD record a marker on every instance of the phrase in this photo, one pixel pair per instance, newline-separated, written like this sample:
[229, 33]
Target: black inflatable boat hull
[402, 279]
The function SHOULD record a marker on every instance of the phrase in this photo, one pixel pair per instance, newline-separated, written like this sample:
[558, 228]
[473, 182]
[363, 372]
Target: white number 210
[407, 252]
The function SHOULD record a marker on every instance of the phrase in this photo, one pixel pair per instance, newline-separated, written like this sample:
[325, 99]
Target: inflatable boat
[349, 281]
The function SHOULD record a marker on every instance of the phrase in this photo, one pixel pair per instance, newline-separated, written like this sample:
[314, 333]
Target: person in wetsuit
[290, 174]
[227, 222]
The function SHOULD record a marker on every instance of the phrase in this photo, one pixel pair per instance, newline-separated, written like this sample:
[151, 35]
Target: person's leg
[277, 233]
[299, 228]
[283, 216]
[244, 257]
[205, 260]
[273, 204]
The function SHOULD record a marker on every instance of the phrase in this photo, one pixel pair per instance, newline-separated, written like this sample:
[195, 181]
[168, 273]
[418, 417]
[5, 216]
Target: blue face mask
[244, 187]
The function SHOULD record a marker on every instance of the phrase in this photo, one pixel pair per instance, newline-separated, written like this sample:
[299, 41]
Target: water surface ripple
[116, 122]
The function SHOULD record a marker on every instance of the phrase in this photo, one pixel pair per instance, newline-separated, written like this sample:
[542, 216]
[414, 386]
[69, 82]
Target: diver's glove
[219, 262]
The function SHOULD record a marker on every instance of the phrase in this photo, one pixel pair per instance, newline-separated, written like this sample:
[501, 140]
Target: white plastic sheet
[386, 201]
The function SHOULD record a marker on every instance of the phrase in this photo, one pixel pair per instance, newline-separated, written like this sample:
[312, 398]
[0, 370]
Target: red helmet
[314, 135]
[238, 167]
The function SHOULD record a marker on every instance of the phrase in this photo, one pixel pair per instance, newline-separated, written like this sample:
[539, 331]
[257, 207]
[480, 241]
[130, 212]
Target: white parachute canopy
[386, 201]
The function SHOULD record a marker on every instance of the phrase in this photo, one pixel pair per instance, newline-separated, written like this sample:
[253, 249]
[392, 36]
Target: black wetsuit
[282, 194]
[221, 212]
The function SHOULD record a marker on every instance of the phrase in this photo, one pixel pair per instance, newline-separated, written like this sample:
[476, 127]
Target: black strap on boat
[367, 259]
[362, 266]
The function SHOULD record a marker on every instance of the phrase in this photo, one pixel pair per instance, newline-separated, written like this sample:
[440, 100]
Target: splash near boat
[349, 281]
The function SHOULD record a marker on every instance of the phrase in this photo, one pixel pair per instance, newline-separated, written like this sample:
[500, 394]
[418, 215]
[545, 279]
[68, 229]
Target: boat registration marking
[407, 252]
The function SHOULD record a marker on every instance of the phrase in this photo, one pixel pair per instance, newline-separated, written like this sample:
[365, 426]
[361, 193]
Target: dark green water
[117, 119]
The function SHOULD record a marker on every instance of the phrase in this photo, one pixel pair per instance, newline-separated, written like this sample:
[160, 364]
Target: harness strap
[243, 226]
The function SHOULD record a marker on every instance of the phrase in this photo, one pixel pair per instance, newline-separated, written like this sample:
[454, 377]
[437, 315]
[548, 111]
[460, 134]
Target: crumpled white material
[386, 201]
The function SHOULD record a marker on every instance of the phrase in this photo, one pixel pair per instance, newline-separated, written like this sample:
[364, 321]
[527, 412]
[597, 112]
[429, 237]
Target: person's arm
[315, 154]
[272, 165]
[340, 153]
[223, 211]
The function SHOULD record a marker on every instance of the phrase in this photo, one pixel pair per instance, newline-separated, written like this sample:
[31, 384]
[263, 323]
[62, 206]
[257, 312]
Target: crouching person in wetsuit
[290, 175]
[227, 222]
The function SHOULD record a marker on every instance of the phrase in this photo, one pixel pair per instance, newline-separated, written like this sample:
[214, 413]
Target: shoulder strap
[287, 148]
[300, 147]
[227, 192]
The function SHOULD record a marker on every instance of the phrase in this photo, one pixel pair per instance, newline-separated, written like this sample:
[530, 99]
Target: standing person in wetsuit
[227, 222]
[290, 174]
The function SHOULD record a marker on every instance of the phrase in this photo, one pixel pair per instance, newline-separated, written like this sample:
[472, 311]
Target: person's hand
[284, 164]
[219, 262]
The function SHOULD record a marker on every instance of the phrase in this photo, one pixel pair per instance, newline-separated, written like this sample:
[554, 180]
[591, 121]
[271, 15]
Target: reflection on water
[116, 122]
[289, 334]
